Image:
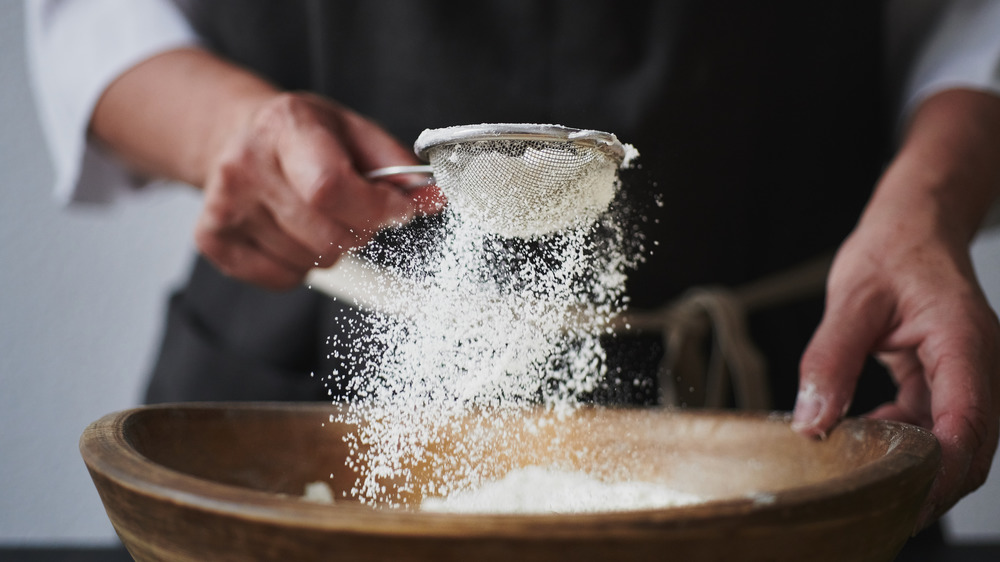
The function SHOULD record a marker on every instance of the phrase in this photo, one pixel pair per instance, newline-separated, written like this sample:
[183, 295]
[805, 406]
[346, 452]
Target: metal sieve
[522, 180]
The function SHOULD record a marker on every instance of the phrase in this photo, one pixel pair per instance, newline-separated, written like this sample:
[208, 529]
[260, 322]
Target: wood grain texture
[222, 482]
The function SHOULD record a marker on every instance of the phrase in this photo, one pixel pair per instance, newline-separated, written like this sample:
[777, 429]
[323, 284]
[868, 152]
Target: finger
[228, 233]
[377, 204]
[967, 450]
[964, 421]
[276, 242]
[331, 193]
[913, 398]
[374, 148]
[428, 199]
[904, 411]
[370, 146]
[237, 255]
[892, 411]
[832, 362]
[243, 200]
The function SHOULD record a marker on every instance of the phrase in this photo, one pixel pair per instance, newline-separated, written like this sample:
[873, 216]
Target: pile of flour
[536, 489]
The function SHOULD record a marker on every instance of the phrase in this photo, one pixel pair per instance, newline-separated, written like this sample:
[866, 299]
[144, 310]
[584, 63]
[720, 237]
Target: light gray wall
[81, 294]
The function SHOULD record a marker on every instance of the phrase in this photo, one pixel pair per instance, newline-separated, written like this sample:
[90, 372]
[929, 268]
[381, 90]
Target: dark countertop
[940, 553]
[977, 553]
[64, 555]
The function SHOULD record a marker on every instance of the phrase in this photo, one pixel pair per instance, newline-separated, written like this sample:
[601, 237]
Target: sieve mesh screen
[521, 187]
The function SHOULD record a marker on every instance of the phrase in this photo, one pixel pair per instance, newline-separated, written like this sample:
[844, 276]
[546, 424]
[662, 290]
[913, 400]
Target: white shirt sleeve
[963, 51]
[76, 48]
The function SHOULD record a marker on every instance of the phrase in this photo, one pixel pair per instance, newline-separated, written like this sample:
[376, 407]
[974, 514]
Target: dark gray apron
[760, 126]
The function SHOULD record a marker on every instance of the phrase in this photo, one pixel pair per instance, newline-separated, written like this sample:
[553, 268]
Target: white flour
[318, 492]
[496, 326]
[541, 490]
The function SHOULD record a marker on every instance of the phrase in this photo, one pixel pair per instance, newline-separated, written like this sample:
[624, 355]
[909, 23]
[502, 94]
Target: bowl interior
[278, 449]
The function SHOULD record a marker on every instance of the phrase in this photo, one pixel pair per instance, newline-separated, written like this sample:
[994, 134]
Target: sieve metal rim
[607, 143]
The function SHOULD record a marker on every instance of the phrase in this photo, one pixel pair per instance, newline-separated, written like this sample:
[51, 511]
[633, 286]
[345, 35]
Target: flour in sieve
[516, 196]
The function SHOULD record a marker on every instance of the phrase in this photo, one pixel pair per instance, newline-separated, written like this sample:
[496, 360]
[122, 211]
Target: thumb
[832, 362]
[373, 147]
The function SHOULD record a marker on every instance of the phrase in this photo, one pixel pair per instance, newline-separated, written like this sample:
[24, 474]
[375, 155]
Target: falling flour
[493, 325]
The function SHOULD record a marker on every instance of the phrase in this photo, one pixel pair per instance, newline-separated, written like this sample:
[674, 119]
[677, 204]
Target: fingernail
[809, 407]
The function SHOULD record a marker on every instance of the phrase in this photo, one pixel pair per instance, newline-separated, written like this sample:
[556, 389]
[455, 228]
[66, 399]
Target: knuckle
[229, 183]
[221, 214]
[280, 108]
[814, 360]
[327, 191]
[216, 251]
[284, 110]
[225, 199]
[207, 233]
[975, 431]
[981, 430]
[979, 470]
[218, 243]
[205, 242]
[231, 171]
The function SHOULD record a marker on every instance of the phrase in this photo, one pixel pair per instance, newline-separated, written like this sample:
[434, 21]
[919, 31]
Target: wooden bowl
[221, 482]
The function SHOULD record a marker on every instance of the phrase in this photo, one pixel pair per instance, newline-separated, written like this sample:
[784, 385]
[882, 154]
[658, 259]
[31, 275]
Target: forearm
[947, 173]
[282, 173]
[170, 115]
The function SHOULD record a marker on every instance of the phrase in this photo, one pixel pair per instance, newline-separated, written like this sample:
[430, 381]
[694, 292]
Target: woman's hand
[283, 173]
[903, 288]
[916, 305]
[288, 194]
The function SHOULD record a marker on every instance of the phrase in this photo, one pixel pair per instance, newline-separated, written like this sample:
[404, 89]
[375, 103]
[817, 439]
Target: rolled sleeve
[962, 52]
[76, 48]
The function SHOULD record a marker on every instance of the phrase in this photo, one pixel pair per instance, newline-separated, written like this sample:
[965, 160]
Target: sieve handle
[390, 171]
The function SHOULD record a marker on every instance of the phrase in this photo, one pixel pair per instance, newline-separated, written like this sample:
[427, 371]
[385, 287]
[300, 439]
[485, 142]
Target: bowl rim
[107, 452]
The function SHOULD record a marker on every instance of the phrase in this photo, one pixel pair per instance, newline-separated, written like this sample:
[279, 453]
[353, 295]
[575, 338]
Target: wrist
[946, 175]
[171, 115]
[225, 101]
